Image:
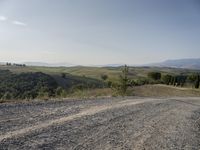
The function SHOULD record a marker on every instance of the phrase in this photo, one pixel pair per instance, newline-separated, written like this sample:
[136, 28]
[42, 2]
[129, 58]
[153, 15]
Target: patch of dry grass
[141, 91]
[92, 93]
[164, 91]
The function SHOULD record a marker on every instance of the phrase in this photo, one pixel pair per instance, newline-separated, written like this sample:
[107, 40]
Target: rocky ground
[119, 123]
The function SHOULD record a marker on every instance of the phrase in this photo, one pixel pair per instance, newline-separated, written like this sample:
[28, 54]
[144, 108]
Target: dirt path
[135, 123]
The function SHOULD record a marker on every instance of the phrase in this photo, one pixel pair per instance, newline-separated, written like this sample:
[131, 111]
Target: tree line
[176, 80]
[14, 64]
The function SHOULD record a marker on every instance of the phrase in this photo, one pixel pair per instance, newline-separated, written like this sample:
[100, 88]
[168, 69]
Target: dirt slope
[134, 123]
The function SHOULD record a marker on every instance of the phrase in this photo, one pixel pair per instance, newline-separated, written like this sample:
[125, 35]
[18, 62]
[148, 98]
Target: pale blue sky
[96, 32]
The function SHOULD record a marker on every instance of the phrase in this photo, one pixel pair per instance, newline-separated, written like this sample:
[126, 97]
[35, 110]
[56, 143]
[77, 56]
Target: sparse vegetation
[18, 82]
[26, 85]
[40, 85]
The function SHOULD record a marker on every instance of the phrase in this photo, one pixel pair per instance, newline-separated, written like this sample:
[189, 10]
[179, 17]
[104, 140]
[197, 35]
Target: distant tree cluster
[181, 80]
[175, 80]
[14, 64]
[169, 79]
[19, 65]
[195, 80]
[8, 64]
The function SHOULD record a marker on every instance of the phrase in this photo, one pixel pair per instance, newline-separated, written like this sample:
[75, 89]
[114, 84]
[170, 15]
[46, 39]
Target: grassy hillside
[30, 85]
[71, 81]
[21, 82]
[96, 72]
[25, 85]
[141, 91]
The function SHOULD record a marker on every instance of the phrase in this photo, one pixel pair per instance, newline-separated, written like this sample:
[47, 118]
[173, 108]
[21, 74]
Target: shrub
[154, 75]
[63, 75]
[194, 79]
[122, 86]
[7, 96]
[124, 80]
[109, 84]
[197, 81]
[104, 77]
[166, 79]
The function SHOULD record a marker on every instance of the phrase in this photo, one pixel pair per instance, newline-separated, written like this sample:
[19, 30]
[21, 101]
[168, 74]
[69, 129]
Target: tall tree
[124, 80]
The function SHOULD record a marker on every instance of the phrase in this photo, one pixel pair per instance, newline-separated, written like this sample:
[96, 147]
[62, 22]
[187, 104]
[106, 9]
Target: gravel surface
[121, 123]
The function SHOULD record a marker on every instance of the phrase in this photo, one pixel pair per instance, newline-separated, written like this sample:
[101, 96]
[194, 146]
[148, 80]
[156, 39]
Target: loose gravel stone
[117, 123]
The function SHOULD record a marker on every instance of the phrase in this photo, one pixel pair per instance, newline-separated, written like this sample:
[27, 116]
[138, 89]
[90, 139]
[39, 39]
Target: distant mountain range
[191, 63]
[179, 63]
[48, 64]
[66, 64]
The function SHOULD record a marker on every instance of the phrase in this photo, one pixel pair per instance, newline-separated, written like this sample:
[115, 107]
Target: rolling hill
[179, 63]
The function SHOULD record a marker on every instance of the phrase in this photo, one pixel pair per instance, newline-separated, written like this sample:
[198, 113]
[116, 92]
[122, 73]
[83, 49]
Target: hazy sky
[89, 32]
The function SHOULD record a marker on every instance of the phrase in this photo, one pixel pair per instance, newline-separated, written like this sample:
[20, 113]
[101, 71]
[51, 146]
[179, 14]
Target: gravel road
[118, 123]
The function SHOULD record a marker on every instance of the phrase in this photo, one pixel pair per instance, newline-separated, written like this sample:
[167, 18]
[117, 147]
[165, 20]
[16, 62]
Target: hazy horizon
[100, 32]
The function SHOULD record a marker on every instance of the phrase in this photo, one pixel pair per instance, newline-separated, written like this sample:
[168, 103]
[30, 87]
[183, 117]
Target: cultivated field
[117, 123]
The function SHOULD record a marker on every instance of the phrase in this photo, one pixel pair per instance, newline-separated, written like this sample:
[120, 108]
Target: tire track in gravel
[159, 127]
[91, 111]
[102, 134]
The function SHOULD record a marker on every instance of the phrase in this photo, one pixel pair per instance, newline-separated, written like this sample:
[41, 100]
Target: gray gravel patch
[134, 123]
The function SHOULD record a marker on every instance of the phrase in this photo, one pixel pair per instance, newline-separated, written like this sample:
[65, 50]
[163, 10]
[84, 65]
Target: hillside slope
[180, 63]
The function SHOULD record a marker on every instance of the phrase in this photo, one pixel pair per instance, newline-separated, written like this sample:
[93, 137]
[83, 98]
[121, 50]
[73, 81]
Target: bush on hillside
[154, 75]
[122, 85]
[195, 80]
[167, 79]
